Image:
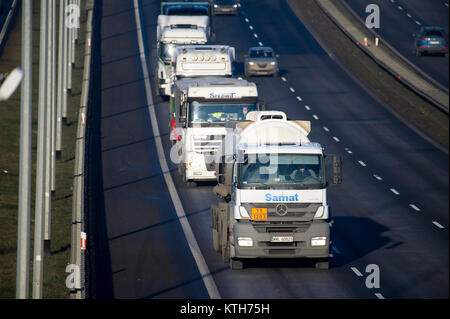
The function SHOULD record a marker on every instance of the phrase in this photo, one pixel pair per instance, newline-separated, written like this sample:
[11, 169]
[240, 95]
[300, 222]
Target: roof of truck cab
[309, 148]
[211, 81]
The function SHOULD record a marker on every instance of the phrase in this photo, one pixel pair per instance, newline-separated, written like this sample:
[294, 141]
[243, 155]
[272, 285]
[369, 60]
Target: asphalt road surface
[389, 210]
[400, 22]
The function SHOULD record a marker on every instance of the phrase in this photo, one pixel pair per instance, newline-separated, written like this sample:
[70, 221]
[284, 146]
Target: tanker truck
[273, 189]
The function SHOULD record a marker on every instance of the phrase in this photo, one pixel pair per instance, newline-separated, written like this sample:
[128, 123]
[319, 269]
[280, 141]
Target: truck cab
[198, 112]
[273, 184]
[169, 38]
[204, 60]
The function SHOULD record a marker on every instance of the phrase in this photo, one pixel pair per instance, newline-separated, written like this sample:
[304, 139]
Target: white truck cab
[198, 112]
[169, 39]
[272, 179]
[204, 60]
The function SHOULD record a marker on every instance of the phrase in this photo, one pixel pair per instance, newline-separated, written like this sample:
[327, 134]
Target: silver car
[261, 61]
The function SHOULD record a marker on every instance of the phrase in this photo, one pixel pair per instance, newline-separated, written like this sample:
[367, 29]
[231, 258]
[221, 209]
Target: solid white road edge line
[193, 245]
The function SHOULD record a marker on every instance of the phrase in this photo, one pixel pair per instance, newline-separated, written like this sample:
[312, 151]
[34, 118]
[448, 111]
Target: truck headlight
[319, 241]
[216, 6]
[243, 212]
[251, 63]
[235, 5]
[245, 241]
[272, 63]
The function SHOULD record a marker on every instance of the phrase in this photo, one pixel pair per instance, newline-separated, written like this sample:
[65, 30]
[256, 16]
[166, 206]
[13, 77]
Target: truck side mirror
[337, 169]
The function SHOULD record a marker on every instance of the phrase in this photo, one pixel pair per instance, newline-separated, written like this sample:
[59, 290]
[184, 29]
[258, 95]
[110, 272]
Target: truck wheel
[226, 254]
[236, 264]
[191, 184]
[323, 264]
[188, 183]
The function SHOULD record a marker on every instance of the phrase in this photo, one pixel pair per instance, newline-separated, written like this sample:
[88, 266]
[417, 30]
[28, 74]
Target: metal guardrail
[405, 81]
[77, 255]
[5, 21]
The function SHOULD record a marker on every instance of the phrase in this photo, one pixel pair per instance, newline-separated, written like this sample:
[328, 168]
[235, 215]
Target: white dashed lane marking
[260, 44]
[283, 79]
[438, 225]
[299, 98]
[394, 191]
[356, 271]
[255, 35]
[292, 90]
[417, 209]
[326, 129]
[307, 107]
[336, 139]
[377, 177]
[315, 117]
[362, 163]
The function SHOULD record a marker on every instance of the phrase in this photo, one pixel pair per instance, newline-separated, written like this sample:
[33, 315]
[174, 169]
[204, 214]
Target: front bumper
[254, 70]
[433, 49]
[263, 248]
[225, 10]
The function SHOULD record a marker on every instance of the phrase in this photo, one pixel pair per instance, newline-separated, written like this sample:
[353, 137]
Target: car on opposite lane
[261, 61]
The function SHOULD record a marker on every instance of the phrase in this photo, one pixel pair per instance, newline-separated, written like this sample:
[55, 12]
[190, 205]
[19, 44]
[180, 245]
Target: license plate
[434, 42]
[259, 213]
[282, 239]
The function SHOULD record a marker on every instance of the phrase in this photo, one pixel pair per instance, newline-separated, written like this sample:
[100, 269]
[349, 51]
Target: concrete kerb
[77, 254]
[406, 74]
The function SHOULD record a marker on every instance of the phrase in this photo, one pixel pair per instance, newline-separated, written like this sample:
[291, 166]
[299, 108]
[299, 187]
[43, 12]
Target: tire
[191, 184]
[323, 264]
[236, 264]
[226, 254]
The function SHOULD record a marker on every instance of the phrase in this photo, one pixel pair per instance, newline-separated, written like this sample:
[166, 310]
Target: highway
[391, 210]
[400, 22]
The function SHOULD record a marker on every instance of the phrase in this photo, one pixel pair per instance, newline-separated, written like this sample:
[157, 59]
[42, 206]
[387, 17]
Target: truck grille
[207, 144]
[296, 212]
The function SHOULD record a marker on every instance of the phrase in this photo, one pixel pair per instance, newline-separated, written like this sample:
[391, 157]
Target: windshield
[434, 33]
[281, 170]
[261, 54]
[167, 51]
[225, 1]
[218, 112]
[187, 11]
